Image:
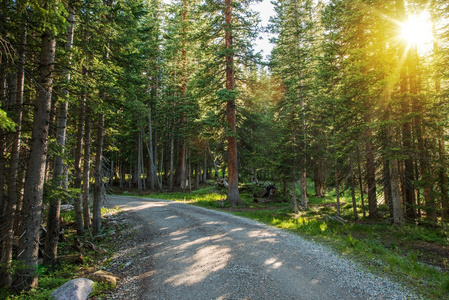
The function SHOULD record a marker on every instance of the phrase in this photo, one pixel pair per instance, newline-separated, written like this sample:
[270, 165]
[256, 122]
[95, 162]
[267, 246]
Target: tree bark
[370, 171]
[233, 173]
[181, 168]
[34, 182]
[139, 161]
[10, 209]
[424, 157]
[99, 186]
[197, 176]
[408, 188]
[53, 218]
[2, 137]
[337, 187]
[319, 179]
[398, 214]
[204, 179]
[295, 202]
[172, 157]
[359, 170]
[86, 170]
[354, 202]
[77, 164]
[152, 168]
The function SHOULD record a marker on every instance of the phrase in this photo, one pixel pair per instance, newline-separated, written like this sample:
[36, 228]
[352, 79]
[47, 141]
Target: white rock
[75, 289]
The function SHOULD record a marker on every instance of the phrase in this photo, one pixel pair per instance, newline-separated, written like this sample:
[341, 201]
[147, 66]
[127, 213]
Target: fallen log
[261, 200]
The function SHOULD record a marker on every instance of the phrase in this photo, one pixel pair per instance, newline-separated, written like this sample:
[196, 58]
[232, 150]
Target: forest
[148, 95]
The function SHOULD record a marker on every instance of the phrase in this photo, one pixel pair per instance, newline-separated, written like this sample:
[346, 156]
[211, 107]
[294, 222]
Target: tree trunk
[337, 187]
[295, 202]
[319, 178]
[10, 209]
[77, 164]
[152, 157]
[99, 186]
[424, 157]
[2, 136]
[181, 168]
[354, 202]
[34, 182]
[121, 175]
[189, 168]
[303, 181]
[144, 185]
[86, 169]
[386, 182]
[139, 162]
[152, 172]
[398, 214]
[408, 188]
[172, 157]
[233, 173]
[443, 180]
[370, 171]
[205, 168]
[53, 218]
[359, 169]
[197, 176]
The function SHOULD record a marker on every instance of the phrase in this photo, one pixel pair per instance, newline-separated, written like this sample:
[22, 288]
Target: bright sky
[265, 8]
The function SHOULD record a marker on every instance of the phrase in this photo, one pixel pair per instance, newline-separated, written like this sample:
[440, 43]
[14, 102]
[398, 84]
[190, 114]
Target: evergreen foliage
[157, 93]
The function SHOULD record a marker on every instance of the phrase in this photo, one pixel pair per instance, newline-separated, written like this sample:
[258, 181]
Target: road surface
[187, 252]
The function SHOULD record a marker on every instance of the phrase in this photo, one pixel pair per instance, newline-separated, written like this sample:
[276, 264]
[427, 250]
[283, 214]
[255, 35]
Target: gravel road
[187, 252]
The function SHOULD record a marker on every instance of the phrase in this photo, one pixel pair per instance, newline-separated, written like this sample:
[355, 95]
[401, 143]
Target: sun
[417, 30]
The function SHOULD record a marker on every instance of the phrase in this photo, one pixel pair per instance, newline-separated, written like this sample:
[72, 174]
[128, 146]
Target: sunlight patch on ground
[273, 263]
[260, 233]
[207, 260]
[179, 232]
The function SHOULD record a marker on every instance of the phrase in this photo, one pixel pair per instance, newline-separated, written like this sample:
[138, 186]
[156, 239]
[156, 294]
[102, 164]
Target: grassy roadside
[416, 256]
[93, 253]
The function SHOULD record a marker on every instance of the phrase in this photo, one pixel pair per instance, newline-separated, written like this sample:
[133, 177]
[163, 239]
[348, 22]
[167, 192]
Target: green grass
[383, 248]
[52, 278]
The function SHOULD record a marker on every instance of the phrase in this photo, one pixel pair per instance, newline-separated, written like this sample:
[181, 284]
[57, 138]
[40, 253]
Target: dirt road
[187, 252]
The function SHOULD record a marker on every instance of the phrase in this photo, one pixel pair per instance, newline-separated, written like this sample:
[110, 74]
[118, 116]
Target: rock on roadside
[105, 277]
[75, 289]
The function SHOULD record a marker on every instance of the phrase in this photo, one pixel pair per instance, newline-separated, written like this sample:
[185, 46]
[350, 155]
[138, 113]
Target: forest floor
[428, 252]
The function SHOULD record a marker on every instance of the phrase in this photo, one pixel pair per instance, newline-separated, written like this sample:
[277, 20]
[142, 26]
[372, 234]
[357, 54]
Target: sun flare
[417, 30]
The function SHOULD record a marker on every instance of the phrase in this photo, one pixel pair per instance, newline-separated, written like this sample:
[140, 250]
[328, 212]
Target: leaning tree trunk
[34, 182]
[233, 173]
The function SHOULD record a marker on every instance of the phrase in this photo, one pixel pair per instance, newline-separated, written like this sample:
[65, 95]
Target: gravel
[177, 251]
